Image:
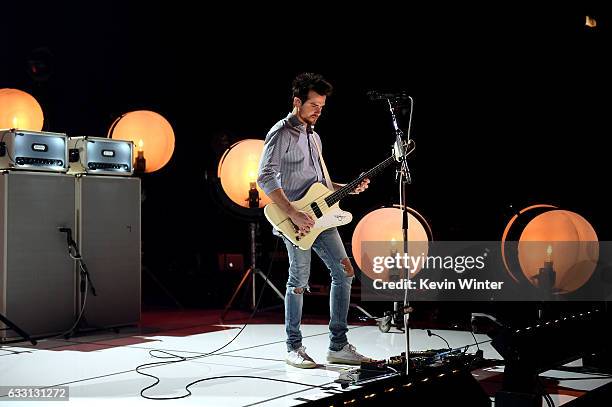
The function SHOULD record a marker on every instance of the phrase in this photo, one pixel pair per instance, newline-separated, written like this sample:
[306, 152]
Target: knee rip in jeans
[348, 267]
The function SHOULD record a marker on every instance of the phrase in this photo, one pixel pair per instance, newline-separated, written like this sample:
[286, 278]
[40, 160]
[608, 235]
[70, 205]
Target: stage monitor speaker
[435, 386]
[108, 217]
[530, 349]
[37, 276]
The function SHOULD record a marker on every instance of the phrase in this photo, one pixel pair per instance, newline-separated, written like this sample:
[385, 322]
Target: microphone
[376, 95]
[429, 333]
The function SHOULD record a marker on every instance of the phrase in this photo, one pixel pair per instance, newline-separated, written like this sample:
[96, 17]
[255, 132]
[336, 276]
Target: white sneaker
[347, 356]
[299, 358]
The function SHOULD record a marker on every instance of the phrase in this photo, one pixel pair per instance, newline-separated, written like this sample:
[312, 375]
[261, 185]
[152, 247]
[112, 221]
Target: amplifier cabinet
[108, 217]
[37, 278]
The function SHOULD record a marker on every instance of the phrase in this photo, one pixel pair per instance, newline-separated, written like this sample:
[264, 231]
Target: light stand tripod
[15, 328]
[252, 271]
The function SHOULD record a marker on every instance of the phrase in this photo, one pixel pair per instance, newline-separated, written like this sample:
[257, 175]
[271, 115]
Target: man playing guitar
[290, 165]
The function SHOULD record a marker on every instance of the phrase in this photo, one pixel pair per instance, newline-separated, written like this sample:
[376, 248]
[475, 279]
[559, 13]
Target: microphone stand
[403, 173]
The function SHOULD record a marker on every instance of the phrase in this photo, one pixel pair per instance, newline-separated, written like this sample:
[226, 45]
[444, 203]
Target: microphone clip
[394, 97]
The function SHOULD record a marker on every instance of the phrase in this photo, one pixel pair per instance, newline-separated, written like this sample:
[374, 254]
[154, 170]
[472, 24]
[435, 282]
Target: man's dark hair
[307, 81]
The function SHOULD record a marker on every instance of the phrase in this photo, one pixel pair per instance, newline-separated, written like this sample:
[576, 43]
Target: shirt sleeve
[269, 165]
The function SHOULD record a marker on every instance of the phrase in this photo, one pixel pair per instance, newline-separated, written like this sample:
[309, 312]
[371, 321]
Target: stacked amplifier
[33, 151]
[101, 156]
[55, 152]
[50, 181]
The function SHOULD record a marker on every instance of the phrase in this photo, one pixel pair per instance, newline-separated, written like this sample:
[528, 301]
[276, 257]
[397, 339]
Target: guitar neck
[350, 187]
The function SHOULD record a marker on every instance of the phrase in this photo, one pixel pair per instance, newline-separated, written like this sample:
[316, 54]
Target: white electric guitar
[322, 205]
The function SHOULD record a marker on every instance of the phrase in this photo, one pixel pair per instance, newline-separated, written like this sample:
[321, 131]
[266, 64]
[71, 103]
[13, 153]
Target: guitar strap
[328, 180]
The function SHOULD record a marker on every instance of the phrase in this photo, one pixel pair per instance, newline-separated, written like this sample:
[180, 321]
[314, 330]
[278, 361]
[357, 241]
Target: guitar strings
[320, 201]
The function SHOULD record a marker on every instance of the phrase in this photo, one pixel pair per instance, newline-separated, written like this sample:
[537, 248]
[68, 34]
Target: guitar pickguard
[332, 218]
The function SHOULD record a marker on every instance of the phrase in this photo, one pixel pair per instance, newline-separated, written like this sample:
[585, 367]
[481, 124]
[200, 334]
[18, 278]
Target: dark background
[511, 109]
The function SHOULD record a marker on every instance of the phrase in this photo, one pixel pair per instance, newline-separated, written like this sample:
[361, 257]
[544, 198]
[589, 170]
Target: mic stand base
[394, 319]
[85, 327]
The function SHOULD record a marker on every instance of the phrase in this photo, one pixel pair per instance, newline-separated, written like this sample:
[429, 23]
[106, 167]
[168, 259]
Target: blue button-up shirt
[290, 160]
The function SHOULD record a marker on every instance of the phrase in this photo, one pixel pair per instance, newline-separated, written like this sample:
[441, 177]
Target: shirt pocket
[294, 156]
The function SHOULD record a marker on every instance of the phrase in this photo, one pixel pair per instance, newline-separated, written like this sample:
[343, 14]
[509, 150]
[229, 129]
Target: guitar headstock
[407, 149]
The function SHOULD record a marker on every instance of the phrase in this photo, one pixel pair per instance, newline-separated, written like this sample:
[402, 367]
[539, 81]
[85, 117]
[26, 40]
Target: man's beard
[310, 120]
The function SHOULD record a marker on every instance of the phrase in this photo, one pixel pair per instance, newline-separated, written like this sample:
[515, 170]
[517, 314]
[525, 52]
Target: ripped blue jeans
[330, 249]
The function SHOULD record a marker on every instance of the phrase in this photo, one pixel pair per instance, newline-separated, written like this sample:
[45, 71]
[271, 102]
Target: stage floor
[99, 367]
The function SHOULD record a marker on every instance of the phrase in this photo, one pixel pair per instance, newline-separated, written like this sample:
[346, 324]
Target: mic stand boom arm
[399, 146]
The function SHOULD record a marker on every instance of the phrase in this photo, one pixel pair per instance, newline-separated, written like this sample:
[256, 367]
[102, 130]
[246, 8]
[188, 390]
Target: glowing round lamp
[384, 226]
[238, 169]
[19, 110]
[512, 233]
[556, 243]
[152, 135]
[565, 240]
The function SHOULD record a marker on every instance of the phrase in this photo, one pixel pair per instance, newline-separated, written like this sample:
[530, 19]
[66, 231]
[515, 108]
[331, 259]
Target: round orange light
[238, 169]
[151, 133]
[385, 226]
[511, 235]
[566, 241]
[19, 110]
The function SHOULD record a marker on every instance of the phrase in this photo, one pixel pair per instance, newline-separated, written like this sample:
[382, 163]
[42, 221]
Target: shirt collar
[294, 121]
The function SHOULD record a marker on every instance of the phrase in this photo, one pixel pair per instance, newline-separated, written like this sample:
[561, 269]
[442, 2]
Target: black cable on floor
[178, 359]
